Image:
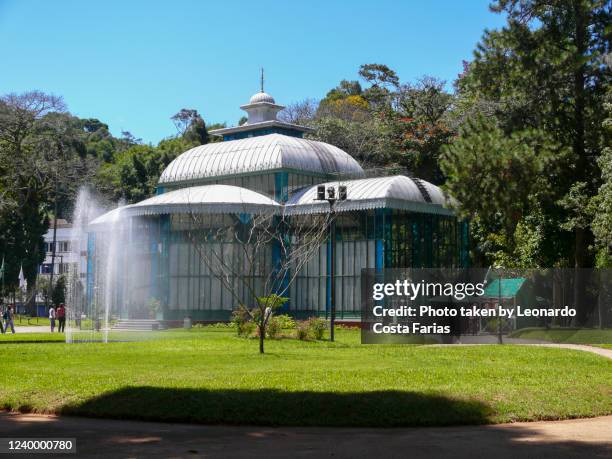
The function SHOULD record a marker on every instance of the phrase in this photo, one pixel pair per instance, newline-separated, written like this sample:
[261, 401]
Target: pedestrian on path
[8, 316]
[61, 317]
[52, 318]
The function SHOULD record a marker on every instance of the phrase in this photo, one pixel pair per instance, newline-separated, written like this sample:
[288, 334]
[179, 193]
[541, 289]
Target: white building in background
[68, 254]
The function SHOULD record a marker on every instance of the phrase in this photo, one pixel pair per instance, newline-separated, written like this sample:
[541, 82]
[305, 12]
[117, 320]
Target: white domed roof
[261, 97]
[395, 192]
[258, 154]
[207, 199]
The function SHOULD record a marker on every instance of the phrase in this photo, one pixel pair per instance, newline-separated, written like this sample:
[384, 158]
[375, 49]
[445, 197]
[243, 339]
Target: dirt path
[97, 438]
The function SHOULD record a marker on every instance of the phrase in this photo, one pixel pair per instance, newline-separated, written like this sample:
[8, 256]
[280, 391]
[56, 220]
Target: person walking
[8, 316]
[61, 317]
[52, 318]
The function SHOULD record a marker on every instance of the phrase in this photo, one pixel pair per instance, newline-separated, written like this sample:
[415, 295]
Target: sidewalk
[33, 329]
[99, 438]
[489, 340]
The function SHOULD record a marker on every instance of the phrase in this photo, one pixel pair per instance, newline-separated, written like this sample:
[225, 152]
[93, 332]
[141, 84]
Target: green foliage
[274, 328]
[342, 91]
[59, 291]
[273, 301]
[379, 75]
[313, 328]
[43, 160]
[317, 327]
[388, 125]
[420, 127]
[602, 202]
[154, 306]
[134, 173]
[286, 321]
[243, 322]
[497, 179]
[302, 330]
[544, 71]
[365, 140]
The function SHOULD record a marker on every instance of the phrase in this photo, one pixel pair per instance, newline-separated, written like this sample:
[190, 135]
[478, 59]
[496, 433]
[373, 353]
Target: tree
[24, 176]
[365, 141]
[544, 70]
[134, 173]
[496, 180]
[191, 126]
[301, 113]
[379, 75]
[419, 127]
[44, 288]
[384, 85]
[236, 249]
[388, 125]
[59, 292]
[602, 203]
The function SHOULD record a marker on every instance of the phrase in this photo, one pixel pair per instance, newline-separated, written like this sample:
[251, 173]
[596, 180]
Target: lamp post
[499, 303]
[332, 195]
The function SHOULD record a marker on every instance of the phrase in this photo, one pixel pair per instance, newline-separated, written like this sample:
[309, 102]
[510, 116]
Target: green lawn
[26, 321]
[29, 338]
[567, 335]
[210, 376]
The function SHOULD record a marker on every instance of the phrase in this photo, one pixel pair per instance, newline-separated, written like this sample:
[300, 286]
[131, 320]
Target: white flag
[23, 283]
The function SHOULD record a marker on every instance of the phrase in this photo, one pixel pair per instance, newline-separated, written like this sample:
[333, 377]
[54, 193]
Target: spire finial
[262, 79]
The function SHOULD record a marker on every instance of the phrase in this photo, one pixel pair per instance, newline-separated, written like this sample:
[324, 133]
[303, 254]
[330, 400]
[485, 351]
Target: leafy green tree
[384, 84]
[364, 140]
[134, 173]
[25, 179]
[419, 127]
[544, 71]
[496, 180]
[602, 202]
[58, 296]
[343, 90]
[387, 125]
[191, 126]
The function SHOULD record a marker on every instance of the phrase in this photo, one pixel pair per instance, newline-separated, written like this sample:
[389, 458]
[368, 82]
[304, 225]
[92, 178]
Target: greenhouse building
[143, 254]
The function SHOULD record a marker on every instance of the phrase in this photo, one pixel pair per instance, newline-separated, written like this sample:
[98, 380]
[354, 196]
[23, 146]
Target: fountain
[89, 302]
[116, 279]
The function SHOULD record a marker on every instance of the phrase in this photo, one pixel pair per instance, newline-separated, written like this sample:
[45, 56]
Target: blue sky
[133, 64]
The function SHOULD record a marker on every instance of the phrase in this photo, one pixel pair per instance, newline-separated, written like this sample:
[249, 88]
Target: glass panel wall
[166, 258]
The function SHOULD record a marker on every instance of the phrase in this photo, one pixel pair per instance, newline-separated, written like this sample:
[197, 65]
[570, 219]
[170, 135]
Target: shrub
[247, 329]
[274, 328]
[58, 295]
[317, 327]
[492, 325]
[273, 301]
[286, 321]
[243, 323]
[302, 330]
[154, 306]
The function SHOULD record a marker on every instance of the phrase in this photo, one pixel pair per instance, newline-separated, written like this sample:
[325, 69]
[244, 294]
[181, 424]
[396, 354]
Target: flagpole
[2, 278]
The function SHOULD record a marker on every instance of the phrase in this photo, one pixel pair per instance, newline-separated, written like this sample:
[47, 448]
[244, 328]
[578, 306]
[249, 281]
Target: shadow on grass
[277, 407]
